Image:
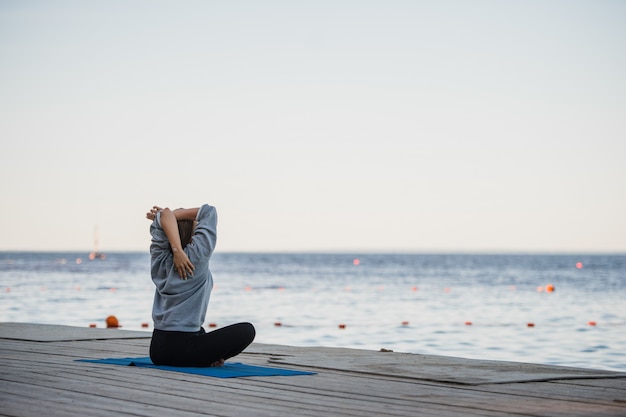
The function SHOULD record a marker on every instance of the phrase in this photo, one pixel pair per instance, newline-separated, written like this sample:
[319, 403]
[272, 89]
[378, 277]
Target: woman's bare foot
[217, 363]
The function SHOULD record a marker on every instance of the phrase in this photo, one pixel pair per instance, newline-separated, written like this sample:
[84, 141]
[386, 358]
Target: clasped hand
[151, 215]
[182, 263]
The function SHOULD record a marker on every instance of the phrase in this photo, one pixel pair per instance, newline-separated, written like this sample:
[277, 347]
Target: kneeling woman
[183, 241]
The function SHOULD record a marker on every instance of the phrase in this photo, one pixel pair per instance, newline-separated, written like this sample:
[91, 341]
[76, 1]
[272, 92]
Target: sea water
[553, 309]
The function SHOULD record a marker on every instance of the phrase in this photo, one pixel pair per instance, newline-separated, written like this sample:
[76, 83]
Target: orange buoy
[92, 325]
[356, 262]
[579, 265]
[112, 322]
[405, 323]
[530, 324]
[413, 288]
[278, 324]
[468, 323]
[549, 288]
[342, 326]
[592, 323]
[539, 289]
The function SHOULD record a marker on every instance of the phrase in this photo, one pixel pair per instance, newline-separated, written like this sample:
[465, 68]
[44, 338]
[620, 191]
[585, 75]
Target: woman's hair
[185, 230]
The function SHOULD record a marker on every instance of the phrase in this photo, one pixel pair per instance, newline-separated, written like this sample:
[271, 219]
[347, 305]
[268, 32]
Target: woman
[182, 243]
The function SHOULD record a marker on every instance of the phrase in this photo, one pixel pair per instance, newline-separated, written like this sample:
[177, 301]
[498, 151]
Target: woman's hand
[153, 212]
[182, 264]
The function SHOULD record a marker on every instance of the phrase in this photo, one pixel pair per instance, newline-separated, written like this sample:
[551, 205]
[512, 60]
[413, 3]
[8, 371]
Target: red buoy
[112, 322]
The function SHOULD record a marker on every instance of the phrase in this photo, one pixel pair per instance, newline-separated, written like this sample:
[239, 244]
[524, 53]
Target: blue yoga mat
[228, 370]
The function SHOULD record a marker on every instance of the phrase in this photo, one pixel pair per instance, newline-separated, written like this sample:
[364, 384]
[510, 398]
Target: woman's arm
[181, 262]
[180, 214]
[186, 214]
[204, 235]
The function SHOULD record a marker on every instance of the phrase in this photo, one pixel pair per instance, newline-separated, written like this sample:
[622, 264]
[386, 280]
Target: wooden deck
[39, 377]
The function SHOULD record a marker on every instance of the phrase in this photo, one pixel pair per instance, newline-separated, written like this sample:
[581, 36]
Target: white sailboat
[95, 254]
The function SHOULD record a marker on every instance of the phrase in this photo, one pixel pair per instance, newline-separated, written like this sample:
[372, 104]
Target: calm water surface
[472, 306]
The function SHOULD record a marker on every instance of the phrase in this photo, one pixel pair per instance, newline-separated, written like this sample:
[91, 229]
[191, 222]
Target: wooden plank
[555, 391]
[275, 398]
[463, 397]
[598, 383]
[51, 332]
[30, 370]
[20, 400]
[131, 399]
[47, 359]
[113, 347]
[360, 385]
[324, 392]
[529, 405]
[117, 382]
[435, 368]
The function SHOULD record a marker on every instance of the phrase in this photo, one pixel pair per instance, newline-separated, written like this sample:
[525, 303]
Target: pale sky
[391, 126]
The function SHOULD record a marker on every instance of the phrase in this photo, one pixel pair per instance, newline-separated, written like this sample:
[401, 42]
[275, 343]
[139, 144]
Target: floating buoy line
[112, 322]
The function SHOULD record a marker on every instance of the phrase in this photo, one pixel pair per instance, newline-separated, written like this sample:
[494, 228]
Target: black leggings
[199, 348]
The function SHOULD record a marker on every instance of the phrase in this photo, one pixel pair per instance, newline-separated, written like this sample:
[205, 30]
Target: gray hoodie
[181, 305]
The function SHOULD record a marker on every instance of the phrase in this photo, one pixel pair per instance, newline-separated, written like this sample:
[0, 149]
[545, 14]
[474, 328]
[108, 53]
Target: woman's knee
[249, 330]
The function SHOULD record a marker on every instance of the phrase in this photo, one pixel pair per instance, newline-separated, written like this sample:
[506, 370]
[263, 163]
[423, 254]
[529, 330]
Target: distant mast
[95, 254]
